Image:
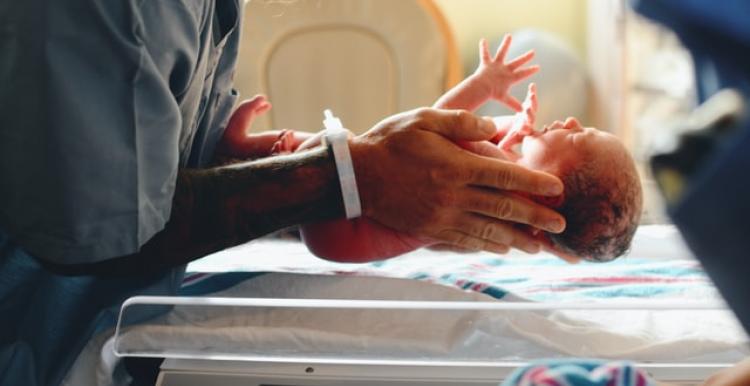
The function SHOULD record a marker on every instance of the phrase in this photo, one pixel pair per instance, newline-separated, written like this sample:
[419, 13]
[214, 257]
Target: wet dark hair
[602, 207]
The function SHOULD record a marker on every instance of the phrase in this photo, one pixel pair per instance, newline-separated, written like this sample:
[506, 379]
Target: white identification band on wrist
[337, 138]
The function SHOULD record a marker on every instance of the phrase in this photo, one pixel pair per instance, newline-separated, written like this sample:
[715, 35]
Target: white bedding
[685, 336]
[397, 334]
[472, 335]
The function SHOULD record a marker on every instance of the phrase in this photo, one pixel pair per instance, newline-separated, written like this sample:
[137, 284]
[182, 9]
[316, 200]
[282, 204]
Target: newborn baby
[602, 197]
[601, 200]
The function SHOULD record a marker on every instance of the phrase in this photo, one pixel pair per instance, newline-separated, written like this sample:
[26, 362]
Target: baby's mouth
[516, 149]
[537, 133]
[534, 134]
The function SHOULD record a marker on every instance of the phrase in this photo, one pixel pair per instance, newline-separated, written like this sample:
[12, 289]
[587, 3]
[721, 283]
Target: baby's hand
[523, 122]
[499, 76]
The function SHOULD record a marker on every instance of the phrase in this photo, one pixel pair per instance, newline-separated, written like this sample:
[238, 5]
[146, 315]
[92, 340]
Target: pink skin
[355, 241]
[492, 79]
[522, 124]
[556, 148]
[366, 239]
[561, 146]
[238, 142]
[363, 240]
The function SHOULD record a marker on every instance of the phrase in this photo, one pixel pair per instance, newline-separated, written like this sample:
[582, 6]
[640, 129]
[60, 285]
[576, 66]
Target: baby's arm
[492, 79]
[520, 124]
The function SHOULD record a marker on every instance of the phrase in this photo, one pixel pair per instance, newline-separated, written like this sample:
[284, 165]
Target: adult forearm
[235, 203]
[221, 207]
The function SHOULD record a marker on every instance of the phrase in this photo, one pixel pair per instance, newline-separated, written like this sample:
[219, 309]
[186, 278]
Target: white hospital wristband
[336, 137]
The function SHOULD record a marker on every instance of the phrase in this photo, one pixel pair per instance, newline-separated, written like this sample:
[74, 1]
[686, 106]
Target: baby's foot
[244, 115]
[234, 142]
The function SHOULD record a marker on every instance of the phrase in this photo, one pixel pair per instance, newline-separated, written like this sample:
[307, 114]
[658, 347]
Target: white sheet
[698, 337]
[390, 334]
[473, 334]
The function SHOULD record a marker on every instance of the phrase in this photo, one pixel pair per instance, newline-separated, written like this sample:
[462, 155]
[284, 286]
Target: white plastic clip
[337, 138]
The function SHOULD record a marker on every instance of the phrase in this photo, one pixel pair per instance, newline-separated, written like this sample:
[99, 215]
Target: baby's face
[557, 149]
[609, 191]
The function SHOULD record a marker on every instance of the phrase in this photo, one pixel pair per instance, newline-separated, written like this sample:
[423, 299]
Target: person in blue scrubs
[712, 211]
[110, 112]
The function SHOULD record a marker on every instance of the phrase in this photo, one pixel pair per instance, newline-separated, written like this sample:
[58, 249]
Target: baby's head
[602, 200]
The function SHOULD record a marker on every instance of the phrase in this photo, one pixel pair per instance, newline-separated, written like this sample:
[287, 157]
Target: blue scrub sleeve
[713, 213]
[94, 112]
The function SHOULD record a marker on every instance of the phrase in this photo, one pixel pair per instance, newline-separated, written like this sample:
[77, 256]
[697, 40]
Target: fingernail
[533, 248]
[499, 250]
[488, 126]
[555, 226]
[555, 190]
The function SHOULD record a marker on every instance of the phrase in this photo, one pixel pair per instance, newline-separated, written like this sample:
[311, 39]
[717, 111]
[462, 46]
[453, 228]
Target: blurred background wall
[474, 19]
[600, 62]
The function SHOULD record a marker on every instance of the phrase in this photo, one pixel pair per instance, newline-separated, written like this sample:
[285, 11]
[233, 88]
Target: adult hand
[738, 375]
[412, 177]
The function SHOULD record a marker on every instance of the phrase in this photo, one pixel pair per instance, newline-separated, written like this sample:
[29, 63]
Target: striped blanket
[579, 372]
[516, 276]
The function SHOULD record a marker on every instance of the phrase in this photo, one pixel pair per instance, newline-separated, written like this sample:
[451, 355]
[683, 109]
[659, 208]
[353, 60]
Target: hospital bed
[427, 318]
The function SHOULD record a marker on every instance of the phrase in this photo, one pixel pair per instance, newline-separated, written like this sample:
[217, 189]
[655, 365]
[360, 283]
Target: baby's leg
[357, 241]
[354, 241]
[237, 142]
